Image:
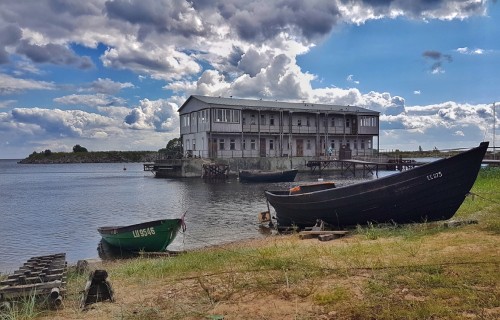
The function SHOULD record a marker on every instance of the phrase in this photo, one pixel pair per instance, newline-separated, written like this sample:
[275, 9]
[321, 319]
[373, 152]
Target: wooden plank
[328, 237]
[306, 236]
[323, 232]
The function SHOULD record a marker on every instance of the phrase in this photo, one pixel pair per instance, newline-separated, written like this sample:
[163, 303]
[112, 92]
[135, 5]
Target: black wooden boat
[430, 192]
[268, 176]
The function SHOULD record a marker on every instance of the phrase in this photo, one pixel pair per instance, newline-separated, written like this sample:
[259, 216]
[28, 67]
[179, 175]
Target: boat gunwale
[113, 230]
[395, 177]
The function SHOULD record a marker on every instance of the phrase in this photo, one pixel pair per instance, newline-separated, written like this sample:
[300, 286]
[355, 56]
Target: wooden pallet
[39, 276]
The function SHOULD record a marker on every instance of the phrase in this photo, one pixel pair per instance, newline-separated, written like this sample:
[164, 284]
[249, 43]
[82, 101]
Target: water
[47, 209]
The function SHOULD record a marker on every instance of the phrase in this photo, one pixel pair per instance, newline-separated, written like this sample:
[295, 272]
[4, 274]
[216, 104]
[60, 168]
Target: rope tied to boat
[183, 223]
[473, 194]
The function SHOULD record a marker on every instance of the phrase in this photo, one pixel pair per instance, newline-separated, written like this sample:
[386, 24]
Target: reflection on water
[108, 252]
[58, 208]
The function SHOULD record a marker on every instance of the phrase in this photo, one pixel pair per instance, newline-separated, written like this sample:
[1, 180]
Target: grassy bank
[417, 271]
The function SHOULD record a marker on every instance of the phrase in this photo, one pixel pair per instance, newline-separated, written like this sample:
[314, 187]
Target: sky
[111, 75]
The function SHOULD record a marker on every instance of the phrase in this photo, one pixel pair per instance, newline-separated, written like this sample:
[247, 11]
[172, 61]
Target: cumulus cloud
[53, 53]
[160, 115]
[59, 123]
[238, 47]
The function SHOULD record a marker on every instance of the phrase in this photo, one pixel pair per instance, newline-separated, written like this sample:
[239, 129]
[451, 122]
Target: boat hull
[429, 192]
[153, 236]
[267, 176]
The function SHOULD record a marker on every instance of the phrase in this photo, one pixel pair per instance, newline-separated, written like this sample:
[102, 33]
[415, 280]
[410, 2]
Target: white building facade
[215, 127]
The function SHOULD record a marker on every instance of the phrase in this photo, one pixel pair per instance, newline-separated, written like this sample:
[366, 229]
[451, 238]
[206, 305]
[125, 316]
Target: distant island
[90, 157]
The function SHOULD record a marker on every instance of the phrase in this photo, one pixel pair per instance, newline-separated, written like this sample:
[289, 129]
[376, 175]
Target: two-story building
[216, 127]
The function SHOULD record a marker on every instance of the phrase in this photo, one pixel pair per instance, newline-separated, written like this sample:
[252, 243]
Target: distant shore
[90, 157]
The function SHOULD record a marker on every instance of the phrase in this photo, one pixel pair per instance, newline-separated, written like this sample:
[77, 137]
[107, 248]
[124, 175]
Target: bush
[78, 148]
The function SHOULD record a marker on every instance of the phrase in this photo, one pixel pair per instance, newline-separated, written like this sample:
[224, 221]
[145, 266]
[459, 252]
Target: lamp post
[494, 127]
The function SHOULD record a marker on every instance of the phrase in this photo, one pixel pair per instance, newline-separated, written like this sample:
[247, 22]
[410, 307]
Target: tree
[47, 152]
[420, 148]
[174, 145]
[78, 148]
[173, 148]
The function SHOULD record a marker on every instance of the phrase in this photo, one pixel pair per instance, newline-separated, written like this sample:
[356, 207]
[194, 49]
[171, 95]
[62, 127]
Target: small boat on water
[267, 176]
[430, 192]
[152, 236]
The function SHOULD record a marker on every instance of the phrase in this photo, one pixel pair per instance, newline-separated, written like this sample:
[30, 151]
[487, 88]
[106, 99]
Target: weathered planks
[322, 235]
[39, 276]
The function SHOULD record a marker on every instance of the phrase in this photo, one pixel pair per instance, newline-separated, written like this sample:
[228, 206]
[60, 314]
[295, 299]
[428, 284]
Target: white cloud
[350, 78]
[10, 85]
[240, 48]
[466, 50]
[417, 92]
[160, 115]
[108, 86]
[93, 100]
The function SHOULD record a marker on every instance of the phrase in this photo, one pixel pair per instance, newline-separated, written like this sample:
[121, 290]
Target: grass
[417, 271]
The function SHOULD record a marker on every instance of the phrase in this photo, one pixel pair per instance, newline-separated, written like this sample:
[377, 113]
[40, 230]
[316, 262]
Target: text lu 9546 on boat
[143, 232]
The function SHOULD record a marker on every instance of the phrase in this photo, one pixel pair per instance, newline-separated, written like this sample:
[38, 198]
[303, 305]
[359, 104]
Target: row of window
[233, 116]
[191, 145]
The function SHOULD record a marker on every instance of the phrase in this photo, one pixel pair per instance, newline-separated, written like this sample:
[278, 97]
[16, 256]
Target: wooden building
[216, 127]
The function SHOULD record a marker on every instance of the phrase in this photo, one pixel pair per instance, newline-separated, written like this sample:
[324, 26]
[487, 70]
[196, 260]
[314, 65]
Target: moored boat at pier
[268, 176]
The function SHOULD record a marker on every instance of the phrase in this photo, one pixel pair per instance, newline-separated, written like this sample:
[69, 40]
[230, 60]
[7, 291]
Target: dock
[215, 171]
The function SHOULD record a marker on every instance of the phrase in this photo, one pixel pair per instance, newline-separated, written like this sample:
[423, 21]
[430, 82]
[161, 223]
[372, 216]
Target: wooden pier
[215, 171]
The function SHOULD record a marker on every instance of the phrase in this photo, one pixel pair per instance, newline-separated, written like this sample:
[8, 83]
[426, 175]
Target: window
[333, 122]
[252, 119]
[252, 144]
[271, 120]
[221, 144]
[194, 144]
[185, 120]
[232, 144]
[263, 119]
[348, 144]
[299, 122]
[347, 123]
[355, 143]
[226, 115]
[244, 144]
[362, 144]
[308, 144]
[332, 144]
[271, 144]
[244, 120]
[203, 116]
[308, 122]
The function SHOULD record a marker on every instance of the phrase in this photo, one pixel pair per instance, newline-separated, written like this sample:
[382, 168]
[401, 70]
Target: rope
[481, 197]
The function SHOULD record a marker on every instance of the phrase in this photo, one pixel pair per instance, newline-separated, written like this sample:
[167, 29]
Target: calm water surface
[46, 209]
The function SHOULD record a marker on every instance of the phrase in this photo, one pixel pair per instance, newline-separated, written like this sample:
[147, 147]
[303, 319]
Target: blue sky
[110, 75]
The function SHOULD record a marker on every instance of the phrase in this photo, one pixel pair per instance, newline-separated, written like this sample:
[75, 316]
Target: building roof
[264, 104]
